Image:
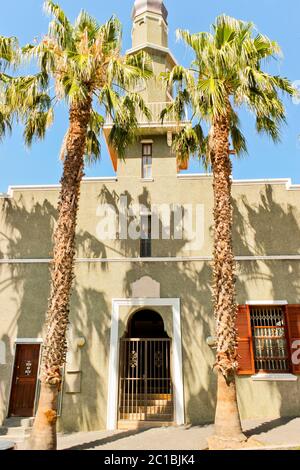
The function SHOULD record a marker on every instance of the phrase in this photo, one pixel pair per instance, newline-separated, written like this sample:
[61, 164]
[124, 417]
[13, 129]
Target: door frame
[24, 341]
[176, 358]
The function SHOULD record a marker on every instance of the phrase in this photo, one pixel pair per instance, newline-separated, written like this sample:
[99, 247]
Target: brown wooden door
[24, 380]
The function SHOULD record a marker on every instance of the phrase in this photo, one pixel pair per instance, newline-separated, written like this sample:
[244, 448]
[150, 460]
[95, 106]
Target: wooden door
[24, 380]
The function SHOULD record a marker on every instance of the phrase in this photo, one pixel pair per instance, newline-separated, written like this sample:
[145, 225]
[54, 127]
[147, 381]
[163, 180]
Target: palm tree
[226, 73]
[84, 64]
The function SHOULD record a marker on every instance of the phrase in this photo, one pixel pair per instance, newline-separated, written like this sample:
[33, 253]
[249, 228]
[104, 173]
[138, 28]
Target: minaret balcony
[155, 123]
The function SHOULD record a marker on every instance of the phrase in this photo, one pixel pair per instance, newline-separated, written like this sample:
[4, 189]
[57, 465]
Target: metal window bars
[269, 339]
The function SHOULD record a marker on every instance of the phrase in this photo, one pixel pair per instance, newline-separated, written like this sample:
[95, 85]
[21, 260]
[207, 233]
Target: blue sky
[279, 20]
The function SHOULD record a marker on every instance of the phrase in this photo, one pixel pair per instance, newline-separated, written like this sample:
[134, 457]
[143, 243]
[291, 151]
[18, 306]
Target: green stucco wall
[266, 223]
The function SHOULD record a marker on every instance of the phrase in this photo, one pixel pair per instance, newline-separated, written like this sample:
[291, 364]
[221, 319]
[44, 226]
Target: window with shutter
[268, 339]
[293, 323]
[245, 344]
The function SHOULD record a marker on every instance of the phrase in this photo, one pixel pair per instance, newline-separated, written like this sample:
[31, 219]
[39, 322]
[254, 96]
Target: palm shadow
[267, 226]
[107, 440]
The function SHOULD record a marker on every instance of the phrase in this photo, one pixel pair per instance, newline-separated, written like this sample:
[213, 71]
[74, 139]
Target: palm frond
[93, 147]
[9, 52]
[110, 35]
[5, 121]
[190, 141]
[84, 61]
[55, 10]
[227, 72]
[238, 140]
[35, 125]
[268, 126]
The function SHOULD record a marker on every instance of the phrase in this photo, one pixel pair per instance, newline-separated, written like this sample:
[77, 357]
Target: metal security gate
[145, 392]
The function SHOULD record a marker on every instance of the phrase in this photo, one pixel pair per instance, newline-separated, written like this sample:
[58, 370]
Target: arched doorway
[145, 390]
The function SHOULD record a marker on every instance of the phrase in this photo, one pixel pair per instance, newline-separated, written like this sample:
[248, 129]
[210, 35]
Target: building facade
[141, 324]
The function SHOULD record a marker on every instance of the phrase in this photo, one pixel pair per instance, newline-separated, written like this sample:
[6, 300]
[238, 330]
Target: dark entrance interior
[146, 324]
[145, 392]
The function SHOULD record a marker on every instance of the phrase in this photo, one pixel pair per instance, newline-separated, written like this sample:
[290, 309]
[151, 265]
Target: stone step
[16, 428]
[18, 422]
[134, 402]
[150, 396]
[146, 409]
[149, 417]
[131, 424]
[14, 432]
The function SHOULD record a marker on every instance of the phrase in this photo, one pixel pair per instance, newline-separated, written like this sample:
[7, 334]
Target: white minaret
[150, 34]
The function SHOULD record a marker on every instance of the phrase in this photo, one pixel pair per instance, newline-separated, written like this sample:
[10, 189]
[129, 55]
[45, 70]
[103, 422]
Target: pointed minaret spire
[151, 6]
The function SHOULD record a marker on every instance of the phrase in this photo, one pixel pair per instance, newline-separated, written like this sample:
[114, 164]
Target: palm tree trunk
[43, 435]
[228, 431]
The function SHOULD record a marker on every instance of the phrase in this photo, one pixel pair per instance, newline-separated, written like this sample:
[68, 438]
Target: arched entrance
[145, 387]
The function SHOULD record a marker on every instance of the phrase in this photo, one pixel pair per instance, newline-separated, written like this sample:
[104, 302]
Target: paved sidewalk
[272, 433]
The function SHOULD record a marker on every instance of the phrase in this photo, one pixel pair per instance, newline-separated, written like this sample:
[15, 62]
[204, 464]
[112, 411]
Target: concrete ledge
[274, 377]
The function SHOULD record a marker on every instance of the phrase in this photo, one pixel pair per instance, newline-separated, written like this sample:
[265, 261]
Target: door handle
[17, 378]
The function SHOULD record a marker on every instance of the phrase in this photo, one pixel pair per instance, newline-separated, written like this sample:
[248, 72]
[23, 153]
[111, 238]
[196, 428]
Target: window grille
[269, 339]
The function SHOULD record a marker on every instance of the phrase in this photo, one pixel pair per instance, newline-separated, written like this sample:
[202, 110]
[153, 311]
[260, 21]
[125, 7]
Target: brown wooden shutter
[293, 324]
[245, 343]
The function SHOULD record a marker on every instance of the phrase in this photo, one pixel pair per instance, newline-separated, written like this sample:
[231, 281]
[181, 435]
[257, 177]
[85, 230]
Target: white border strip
[266, 302]
[274, 377]
[53, 187]
[182, 176]
[246, 182]
[194, 176]
[179, 259]
[177, 372]
[262, 181]
[29, 341]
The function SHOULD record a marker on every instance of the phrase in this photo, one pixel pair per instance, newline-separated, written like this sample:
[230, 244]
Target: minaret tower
[149, 23]
[150, 34]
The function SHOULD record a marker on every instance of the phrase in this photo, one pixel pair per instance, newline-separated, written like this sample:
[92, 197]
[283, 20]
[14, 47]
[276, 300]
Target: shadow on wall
[192, 285]
[275, 231]
[128, 247]
[88, 246]
[90, 319]
[24, 289]
[267, 228]
[28, 235]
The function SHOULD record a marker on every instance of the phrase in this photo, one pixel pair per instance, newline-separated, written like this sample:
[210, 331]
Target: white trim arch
[177, 371]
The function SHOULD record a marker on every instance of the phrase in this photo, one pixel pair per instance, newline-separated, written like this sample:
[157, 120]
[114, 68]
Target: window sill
[147, 179]
[274, 377]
